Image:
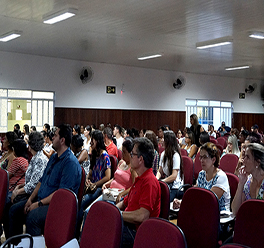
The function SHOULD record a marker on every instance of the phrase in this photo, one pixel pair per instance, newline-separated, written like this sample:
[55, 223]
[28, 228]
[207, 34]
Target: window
[209, 112]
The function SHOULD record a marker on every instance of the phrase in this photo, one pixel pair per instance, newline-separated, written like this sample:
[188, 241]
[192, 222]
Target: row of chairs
[197, 226]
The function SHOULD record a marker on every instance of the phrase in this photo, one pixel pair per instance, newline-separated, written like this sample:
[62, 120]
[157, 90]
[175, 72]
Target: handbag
[21, 197]
[111, 194]
[90, 189]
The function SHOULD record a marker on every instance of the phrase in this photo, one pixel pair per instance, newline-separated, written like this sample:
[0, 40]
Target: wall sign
[241, 95]
[110, 89]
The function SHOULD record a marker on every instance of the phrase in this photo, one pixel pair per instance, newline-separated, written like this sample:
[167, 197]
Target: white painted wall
[144, 88]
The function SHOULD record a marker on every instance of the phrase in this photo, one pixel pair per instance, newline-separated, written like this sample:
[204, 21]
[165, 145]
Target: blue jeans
[35, 221]
[175, 193]
[128, 235]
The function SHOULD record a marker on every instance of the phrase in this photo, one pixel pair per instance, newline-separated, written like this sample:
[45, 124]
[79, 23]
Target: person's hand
[14, 194]
[105, 186]
[87, 182]
[27, 206]
[118, 198]
[176, 204]
[33, 206]
[242, 175]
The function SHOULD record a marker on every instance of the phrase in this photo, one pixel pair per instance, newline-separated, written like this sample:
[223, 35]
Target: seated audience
[211, 177]
[152, 137]
[87, 139]
[46, 127]
[18, 168]
[80, 153]
[224, 129]
[100, 172]
[26, 132]
[63, 171]
[109, 144]
[170, 170]
[76, 130]
[22, 192]
[211, 131]
[143, 199]
[204, 138]
[118, 136]
[179, 137]
[33, 129]
[251, 176]
[48, 149]
[160, 137]
[190, 146]
[8, 156]
[142, 133]
[232, 146]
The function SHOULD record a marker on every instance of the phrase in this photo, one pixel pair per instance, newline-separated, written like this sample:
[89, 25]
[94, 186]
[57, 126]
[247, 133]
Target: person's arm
[121, 205]
[172, 177]
[239, 196]
[107, 184]
[137, 216]
[83, 156]
[218, 191]
[49, 154]
[19, 189]
[31, 198]
[201, 129]
[105, 178]
[159, 173]
[193, 151]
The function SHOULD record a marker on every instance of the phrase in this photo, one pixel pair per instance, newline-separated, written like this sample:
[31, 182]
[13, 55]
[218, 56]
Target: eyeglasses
[204, 157]
[133, 154]
[187, 137]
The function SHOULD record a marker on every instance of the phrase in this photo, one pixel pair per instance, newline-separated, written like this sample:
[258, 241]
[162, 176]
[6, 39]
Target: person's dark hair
[47, 126]
[109, 133]
[257, 151]
[130, 133]
[26, 127]
[145, 148]
[50, 134]
[253, 138]
[77, 141]
[20, 148]
[171, 146]
[44, 133]
[77, 129]
[212, 151]
[89, 128]
[18, 133]
[167, 127]
[36, 141]
[244, 133]
[17, 126]
[11, 137]
[128, 144]
[33, 128]
[204, 138]
[66, 133]
[162, 128]
[191, 136]
[135, 132]
[97, 135]
[119, 128]
[152, 137]
[212, 126]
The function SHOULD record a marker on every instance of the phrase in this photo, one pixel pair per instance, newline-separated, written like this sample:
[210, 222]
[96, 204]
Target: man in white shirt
[117, 133]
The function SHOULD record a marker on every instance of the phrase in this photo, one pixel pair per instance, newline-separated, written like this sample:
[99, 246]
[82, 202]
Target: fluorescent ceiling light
[59, 16]
[10, 36]
[150, 56]
[214, 43]
[257, 35]
[237, 67]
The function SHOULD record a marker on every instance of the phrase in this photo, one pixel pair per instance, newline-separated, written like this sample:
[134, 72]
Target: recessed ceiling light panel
[256, 35]
[10, 36]
[59, 16]
[214, 43]
[241, 67]
[150, 56]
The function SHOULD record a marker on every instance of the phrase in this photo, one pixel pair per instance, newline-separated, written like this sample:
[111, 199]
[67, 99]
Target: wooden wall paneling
[248, 120]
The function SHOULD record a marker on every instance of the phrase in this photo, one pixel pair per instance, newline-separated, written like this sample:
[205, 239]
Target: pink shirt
[122, 179]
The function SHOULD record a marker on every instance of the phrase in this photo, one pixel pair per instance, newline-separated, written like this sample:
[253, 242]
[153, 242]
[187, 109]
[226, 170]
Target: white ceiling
[118, 31]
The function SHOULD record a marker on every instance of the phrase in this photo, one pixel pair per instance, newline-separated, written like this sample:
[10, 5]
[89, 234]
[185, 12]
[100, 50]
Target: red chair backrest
[187, 165]
[220, 148]
[120, 154]
[249, 224]
[61, 218]
[114, 163]
[199, 218]
[233, 182]
[156, 232]
[3, 190]
[161, 149]
[228, 163]
[197, 166]
[184, 152]
[213, 140]
[102, 227]
[234, 246]
[81, 188]
[222, 141]
[164, 200]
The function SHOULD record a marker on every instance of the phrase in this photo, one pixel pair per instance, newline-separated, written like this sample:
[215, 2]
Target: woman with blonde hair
[232, 146]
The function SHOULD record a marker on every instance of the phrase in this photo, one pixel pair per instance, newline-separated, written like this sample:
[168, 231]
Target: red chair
[233, 182]
[114, 163]
[61, 218]
[103, 226]
[161, 149]
[156, 233]
[199, 218]
[228, 163]
[187, 165]
[220, 148]
[213, 140]
[222, 141]
[197, 167]
[249, 224]
[3, 190]
[120, 154]
[184, 152]
[81, 188]
[234, 246]
[164, 201]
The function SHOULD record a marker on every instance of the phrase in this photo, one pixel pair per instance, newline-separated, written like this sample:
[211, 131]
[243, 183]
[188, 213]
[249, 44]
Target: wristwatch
[40, 203]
